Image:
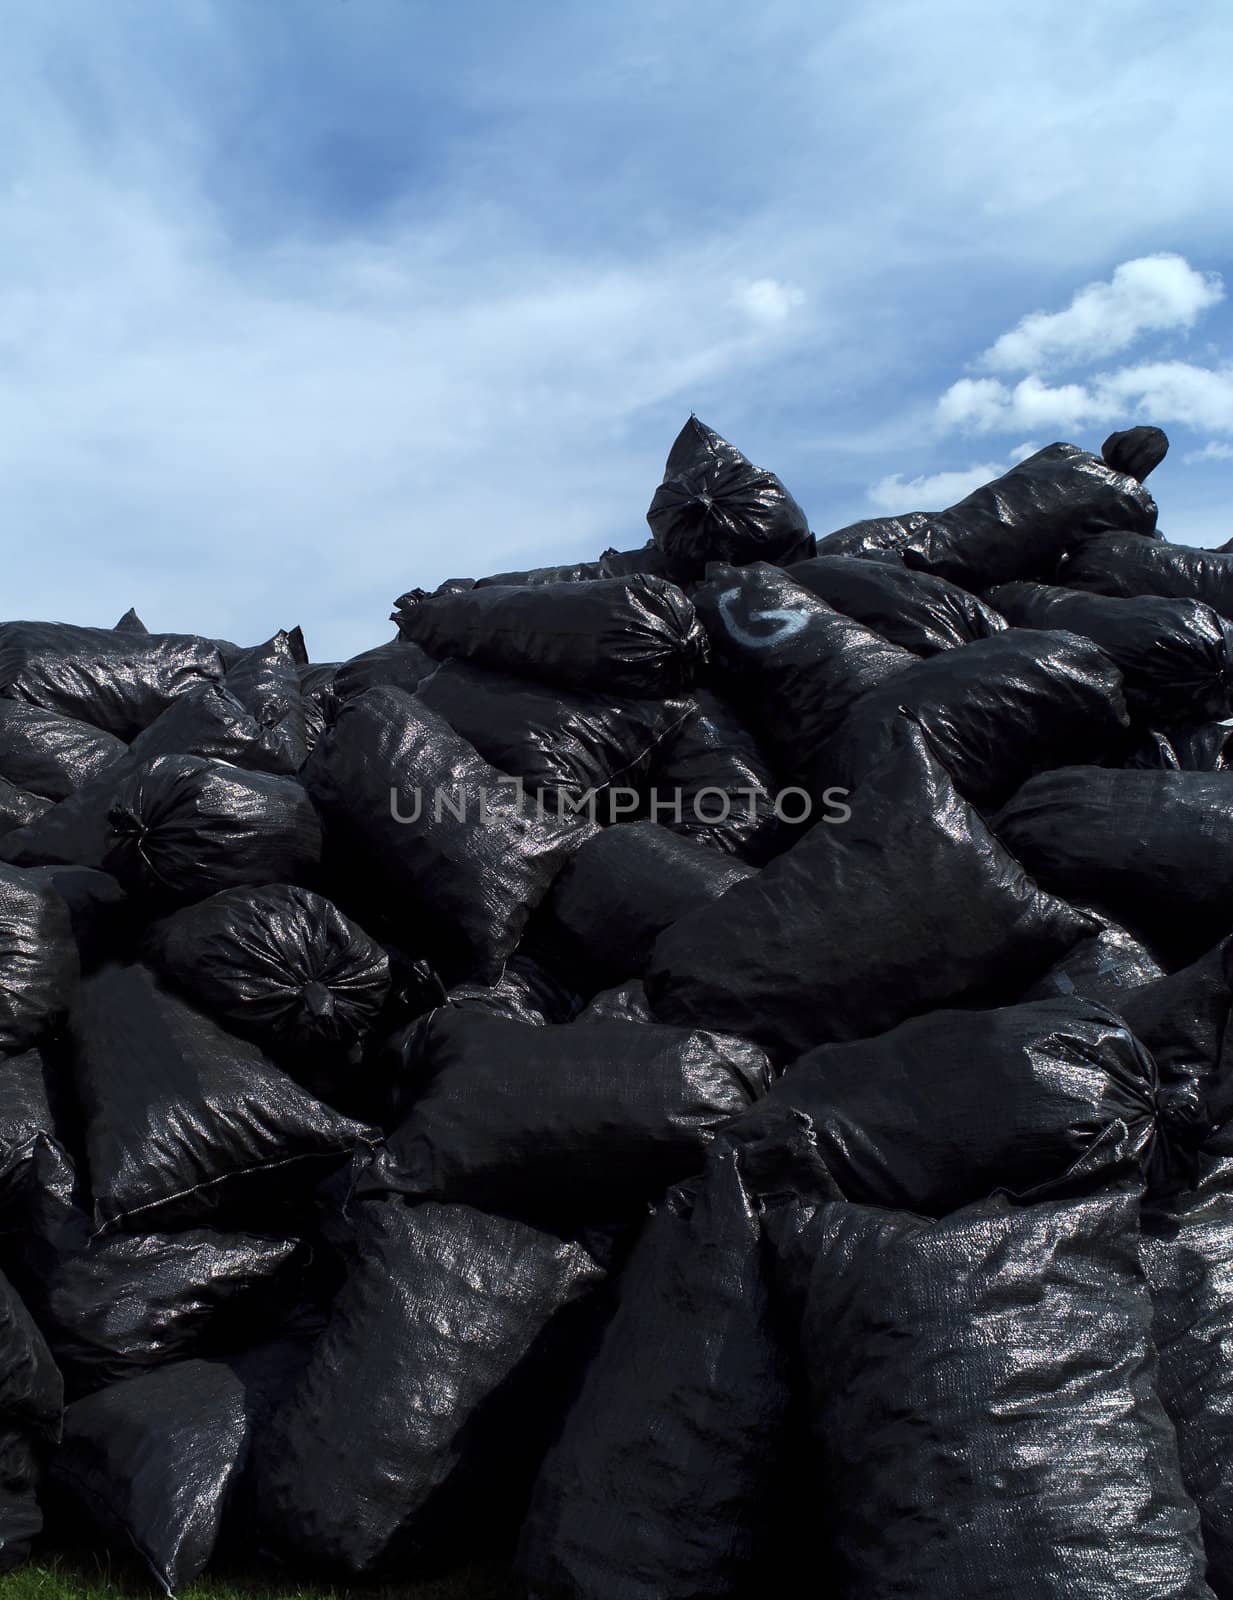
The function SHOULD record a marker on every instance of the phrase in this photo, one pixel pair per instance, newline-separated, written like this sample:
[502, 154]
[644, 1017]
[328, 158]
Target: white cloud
[238, 402]
[1022, 451]
[1156, 391]
[1152, 294]
[1213, 450]
[895, 494]
[766, 300]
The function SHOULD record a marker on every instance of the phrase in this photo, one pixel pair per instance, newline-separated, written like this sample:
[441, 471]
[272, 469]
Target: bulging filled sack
[792, 663]
[40, 964]
[446, 841]
[994, 711]
[182, 1117]
[207, 721]
[31, 1407]
[1150, 848]
[949, 1108]
[1121, 564]
[710, 781]
[152, 1462]
[397, 665]
[914, 610]
[1135, 451]
[1187, 1252]
[561, 1121]
[278, 964]
[115, 1307]
[1017, 526]
[49, 754]
[663, 1479]
[907, 904]
[715, 505]
[1176, 656]
[631, 636]
[618, 893]
[183, 828]
[982, 1404]
[266, 682]
[559, 743]
[441, 1308]
[118, 681]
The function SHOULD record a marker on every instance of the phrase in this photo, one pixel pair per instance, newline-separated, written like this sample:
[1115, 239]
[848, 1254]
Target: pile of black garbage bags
[702, 1073]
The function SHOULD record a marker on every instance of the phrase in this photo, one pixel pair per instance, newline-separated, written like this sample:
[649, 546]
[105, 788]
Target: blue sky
[304, 303]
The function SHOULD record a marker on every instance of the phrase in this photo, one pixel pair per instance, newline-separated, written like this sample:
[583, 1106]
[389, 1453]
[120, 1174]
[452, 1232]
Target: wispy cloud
[1150, 295]
[933, 491]
[1213, 450]
[1155, 391]
[300, 307]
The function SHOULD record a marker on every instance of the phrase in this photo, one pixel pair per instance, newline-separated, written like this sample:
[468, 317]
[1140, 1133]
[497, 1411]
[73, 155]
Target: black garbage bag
[1176, 656]
[106, 924]
[317, 680]
[1121, 564]
[39, 967]
[21, 1517]
[362, 1467]
[907, 905]
[114, 1307]
[396, 665]
[442, 837]
[1187, 1253]
[569, 1125]
[1135, 451]
[715, 505]
[1150, 848]
[31, 1407]
[27, 1128]
[1183, 1019]
[914, 610]
[208, 722]
[571, 572]
[526, 991]
[18, 807]
[211, 722]
[266, 682]
[1054, 1097]
[116, 681]
[663, 1479]
[1205, 747]
[559, 744]
[647, 558]
[52, 755]
[635, 636]
[152, 1462]
[981, 1403]
[181, 1116]
[711, 782]
[1018, 526]
[183, 828]
[995, 711]
[790, 662]
[627, 1002]
[618, 893]
[278, 964]
[1102, 967]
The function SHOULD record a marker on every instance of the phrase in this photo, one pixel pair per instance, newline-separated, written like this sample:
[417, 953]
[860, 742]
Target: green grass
[90, 1577]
